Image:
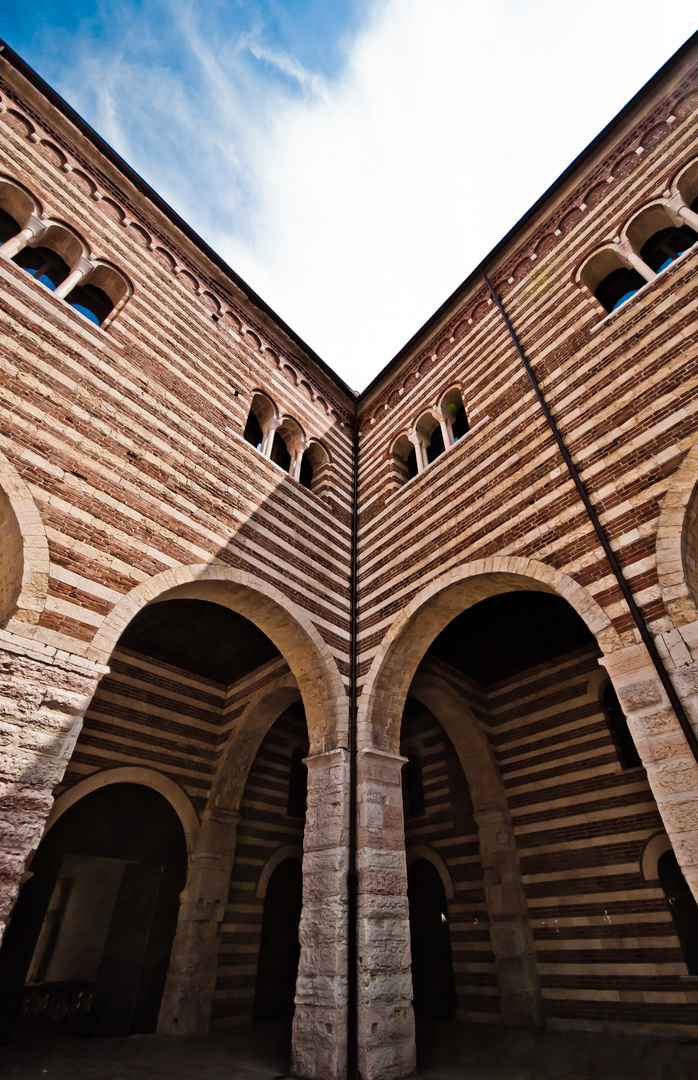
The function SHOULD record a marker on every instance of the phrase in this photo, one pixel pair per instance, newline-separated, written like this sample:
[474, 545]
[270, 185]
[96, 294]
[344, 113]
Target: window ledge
[67, 315]
[442, 457]
[640, 294]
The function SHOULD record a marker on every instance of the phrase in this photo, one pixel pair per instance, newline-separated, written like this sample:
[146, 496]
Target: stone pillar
[191, 978]
[632, 260]
[671, 769]
[385, 1017]
[319, 1049]
[268, 432]
[74, 278]
[420, 449]
[43, 698]
[510, 928]
[17, 243]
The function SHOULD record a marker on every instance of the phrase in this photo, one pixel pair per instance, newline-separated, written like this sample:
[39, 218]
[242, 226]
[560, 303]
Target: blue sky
[352, 159]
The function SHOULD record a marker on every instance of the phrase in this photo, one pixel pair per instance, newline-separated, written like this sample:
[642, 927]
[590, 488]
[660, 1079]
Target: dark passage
[432, 968]
[683, 908]
[89, 942]
[279, 948]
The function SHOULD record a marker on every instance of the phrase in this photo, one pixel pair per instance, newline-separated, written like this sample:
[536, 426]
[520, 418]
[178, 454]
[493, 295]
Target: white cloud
[355, 205]
[450, 120]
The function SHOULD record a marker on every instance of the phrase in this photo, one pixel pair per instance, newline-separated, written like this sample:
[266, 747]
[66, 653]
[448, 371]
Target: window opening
[253, 431]
[666, 245]
[44, 265]
[305, 476]
[618, 726]
[8, 226]
[279, 453]
[460, 424]
[683, 907]
[91, 302]
[436, 446]
[298, 784]
[413, 786]
[411, 464]
[617, 287]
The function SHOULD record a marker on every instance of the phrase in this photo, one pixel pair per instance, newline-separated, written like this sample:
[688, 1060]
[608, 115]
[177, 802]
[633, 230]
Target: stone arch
[511, 936]
[24, 555]
[288, 851]
[245, 740]
[287, 626]
[425, 851]
[172, 792]
[412, 632]
[654, 848]
[676, 547]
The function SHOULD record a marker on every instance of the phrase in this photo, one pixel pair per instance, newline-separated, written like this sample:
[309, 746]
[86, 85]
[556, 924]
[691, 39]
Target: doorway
[279, 948]
[89, 942]
[434, 988]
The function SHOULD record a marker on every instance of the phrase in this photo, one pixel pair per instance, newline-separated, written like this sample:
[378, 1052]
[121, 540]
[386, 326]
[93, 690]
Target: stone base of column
[191, 981]
[319, 1043]
[387, 1042]
[42, 703]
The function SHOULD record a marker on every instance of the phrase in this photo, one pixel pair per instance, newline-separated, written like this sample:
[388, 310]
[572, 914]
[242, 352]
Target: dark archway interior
[201, 637]
[89, 942]
[432, 966]
[509, 633]
[279, 948]
[683, 907]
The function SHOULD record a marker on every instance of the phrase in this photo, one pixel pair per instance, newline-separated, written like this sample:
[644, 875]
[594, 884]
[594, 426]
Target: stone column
[632, 260]
[74, 278]
[510, 928]
[17, 243]
[420, 449]
[191, 977]
[385, 1017]
[319, 1049]
[671, 769]
[43, 698]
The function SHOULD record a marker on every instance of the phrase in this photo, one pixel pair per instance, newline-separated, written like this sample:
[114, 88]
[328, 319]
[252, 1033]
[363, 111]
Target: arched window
[288, 446]
[52, 258]
[104, 289]
[260, 420]
[413, 786]
[9, 226]
[16, 209]
[429, 429]
[298, 784]
[618, 726]
[453, 412]
[666, 245]
[683, 908]
[314, 468]
[610, 280]
[404, 459]
[279, 453]
[44, 265]
[654, 234]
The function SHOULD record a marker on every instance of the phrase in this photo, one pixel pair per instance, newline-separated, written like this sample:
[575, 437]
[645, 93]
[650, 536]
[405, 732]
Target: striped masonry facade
[448, 828]
[265, 826]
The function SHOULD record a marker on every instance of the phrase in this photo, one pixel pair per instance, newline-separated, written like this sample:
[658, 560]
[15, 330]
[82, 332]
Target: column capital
[327, 758]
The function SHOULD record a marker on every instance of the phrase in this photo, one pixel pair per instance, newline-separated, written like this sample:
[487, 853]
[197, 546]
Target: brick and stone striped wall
[448, 828]
[265, 826]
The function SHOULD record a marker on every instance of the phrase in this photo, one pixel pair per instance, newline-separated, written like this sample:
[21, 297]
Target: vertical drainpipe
[352, 876]
[637, 615]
